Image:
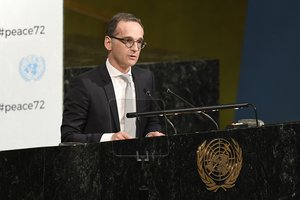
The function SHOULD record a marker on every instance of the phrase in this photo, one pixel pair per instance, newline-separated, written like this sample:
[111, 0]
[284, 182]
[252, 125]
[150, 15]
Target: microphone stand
[147, 92]
[192, 110]
[203, 113]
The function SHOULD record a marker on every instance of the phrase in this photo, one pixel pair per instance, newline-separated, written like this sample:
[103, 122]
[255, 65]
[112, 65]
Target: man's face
[120, 56]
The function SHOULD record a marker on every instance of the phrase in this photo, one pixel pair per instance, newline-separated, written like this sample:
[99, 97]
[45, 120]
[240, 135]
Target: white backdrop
[31, 54]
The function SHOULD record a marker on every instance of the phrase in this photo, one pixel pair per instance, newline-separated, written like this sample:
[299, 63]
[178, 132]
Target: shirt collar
[113, 72]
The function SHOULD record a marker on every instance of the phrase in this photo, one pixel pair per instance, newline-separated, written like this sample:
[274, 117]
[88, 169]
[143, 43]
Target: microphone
[148, 93]
[203, 113]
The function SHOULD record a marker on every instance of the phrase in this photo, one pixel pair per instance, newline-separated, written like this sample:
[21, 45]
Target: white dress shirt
[119, 87]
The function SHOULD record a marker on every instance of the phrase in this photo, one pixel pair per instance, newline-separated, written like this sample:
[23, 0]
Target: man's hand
[121, 136]
[155, 134]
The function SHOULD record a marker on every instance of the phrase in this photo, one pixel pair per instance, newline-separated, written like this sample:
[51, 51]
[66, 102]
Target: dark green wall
[174, 30]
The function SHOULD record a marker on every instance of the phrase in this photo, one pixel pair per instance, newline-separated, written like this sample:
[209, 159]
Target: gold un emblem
[219, 163]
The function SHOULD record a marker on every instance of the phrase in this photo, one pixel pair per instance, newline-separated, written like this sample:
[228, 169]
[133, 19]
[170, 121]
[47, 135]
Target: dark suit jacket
[90, 108]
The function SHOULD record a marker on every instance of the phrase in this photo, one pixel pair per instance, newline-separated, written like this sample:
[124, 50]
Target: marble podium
[155, 168]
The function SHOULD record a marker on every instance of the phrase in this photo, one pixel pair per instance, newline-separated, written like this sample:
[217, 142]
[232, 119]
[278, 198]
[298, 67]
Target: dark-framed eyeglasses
[129, 42]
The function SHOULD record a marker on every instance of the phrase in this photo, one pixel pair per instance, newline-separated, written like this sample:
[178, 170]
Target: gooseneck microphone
[148, 93]
[202, 113]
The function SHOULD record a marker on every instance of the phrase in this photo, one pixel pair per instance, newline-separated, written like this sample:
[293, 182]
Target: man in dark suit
[94, 108]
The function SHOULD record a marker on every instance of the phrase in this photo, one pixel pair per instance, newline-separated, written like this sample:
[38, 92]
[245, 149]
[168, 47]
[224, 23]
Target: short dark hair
[112, 24]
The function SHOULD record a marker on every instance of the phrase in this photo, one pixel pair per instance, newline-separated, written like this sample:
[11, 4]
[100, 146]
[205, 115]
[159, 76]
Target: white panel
[31, 46]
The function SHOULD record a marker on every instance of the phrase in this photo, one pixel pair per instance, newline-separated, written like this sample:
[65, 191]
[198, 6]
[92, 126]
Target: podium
[165, 168]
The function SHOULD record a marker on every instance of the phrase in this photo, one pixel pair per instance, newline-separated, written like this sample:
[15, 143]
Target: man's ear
[107, 43]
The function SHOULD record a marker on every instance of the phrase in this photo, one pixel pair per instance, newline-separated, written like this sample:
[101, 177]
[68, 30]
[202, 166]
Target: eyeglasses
[129, 42]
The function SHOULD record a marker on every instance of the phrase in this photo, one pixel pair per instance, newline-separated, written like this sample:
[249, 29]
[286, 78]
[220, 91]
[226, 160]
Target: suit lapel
[110, 94]
[138, 89]
[138, 98]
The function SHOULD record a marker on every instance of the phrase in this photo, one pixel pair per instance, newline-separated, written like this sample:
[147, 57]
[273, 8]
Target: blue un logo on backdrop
[32, 67]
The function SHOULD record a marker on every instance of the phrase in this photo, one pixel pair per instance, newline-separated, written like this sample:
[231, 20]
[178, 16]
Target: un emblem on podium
[219, 163]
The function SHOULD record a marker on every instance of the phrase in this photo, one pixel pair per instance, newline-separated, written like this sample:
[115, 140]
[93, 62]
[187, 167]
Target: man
[94, 108]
